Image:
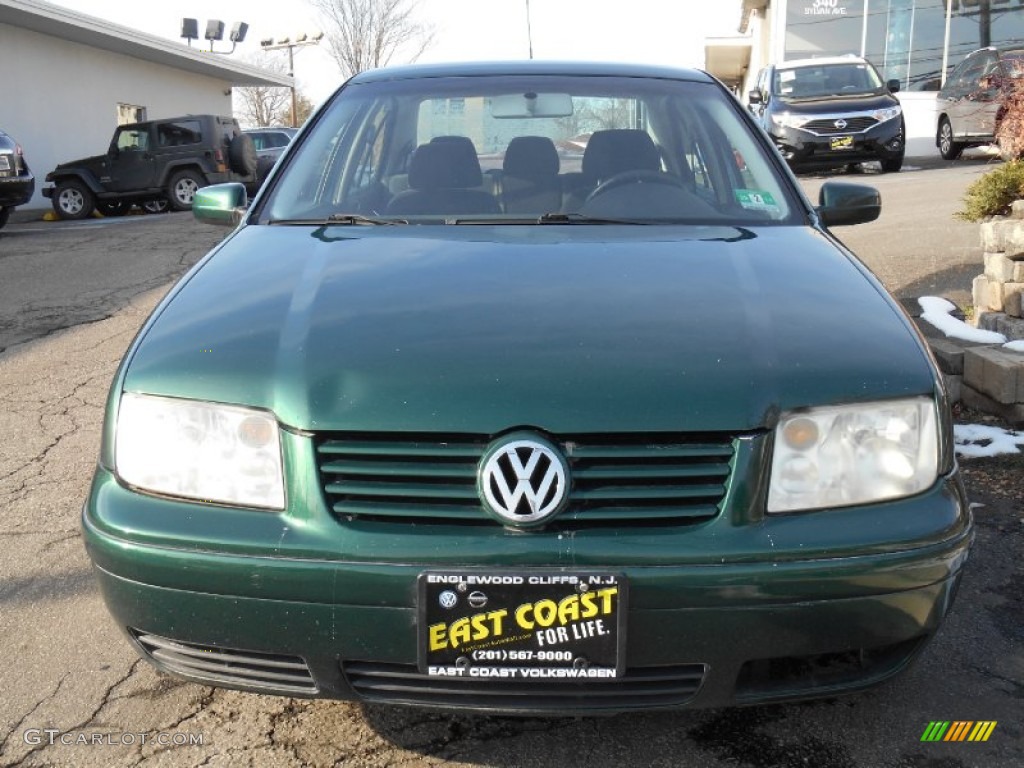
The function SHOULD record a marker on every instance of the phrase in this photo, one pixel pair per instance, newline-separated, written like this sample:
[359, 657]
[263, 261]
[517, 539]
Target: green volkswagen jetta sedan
[528, 388]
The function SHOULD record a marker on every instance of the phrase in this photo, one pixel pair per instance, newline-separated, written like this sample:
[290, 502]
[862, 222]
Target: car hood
[837, 104]
[567, 329]
[96, 161]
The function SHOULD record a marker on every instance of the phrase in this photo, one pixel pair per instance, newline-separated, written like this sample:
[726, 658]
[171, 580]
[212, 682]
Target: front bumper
[325, 609]
[803, 149]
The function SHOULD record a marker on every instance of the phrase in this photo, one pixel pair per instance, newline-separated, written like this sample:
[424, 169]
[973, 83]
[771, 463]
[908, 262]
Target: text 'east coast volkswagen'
[520, 388]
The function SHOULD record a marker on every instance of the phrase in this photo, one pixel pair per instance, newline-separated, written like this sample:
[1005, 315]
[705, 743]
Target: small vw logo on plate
[447, 599]
[524, 481]
[840, 124]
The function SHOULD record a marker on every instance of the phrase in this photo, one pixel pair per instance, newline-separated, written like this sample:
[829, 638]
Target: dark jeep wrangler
[157, 160]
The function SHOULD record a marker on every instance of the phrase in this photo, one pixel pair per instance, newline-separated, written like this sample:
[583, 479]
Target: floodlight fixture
[190, 30]
[214, 30]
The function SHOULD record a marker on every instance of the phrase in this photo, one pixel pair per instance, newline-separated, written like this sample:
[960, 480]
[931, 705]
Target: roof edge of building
[73, 26]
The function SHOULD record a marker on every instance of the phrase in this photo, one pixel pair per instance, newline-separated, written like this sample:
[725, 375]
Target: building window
[130, 113]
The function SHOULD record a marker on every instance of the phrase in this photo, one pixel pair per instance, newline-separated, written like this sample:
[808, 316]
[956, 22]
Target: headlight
[881, 115]
[854, 454]
[787, 120]
[215, 453]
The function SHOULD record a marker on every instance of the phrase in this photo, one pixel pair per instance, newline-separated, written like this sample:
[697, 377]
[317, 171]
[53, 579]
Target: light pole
[300, 40]
[529, 30]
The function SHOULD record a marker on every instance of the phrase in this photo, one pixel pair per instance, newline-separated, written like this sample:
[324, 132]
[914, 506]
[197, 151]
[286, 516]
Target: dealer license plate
[522, 625]
[841, 143]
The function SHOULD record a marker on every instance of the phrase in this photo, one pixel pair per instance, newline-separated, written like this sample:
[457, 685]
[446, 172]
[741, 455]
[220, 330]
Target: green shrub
[992, 193]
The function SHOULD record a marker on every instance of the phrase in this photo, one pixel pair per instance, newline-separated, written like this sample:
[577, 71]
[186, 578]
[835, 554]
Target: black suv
[971, 103]
[157, 160]
[270, 143]
[16, 181]
[830, 112]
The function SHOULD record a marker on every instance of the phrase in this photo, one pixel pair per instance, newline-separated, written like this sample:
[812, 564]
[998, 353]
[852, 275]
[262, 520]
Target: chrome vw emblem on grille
[840, 123]
[523, 481]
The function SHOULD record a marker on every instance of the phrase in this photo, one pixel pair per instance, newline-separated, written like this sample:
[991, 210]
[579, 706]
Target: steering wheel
[626, 178]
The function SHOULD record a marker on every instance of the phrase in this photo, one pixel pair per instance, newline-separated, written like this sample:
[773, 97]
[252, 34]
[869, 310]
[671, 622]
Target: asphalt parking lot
[71, 298]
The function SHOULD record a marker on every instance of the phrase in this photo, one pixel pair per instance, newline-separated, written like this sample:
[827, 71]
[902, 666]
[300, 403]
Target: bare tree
[262, 105]
[365, 34]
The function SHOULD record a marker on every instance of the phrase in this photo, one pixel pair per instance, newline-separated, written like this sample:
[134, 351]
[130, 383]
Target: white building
[69, 79]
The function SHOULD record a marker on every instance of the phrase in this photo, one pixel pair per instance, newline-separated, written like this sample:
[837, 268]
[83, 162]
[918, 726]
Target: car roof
[823, 60]
[529, 67]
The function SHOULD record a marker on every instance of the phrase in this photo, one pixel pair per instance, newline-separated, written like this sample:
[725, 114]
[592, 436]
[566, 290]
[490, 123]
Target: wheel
[73, 200]
[892, 165]
[113, 207]
[155, 206]
[949, 149]
[5, 213]
[182, 188]
[242, 155]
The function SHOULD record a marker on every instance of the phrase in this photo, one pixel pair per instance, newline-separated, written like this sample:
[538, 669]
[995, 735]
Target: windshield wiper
[580, 218]
[343, 219]
[358, 220]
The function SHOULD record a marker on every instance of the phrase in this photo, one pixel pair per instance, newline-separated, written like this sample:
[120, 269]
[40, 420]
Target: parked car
[270, 143]
[16, 180]
[159, 160]
[557, 442]
[830, 112]
[971, 103]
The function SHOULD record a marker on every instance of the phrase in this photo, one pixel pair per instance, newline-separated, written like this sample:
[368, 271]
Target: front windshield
[824, 80]
[528, 149]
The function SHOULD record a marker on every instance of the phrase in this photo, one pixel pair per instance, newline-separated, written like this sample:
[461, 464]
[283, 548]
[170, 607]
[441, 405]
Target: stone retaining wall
[989, 377]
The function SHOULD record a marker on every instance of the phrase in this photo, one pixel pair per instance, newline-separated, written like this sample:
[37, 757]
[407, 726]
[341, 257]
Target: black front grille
[269, 672]
[828, 127]
[640, 687]
[639, 479]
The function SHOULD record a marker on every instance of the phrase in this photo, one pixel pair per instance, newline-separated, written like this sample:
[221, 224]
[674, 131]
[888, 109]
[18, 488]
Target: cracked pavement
[68, 668]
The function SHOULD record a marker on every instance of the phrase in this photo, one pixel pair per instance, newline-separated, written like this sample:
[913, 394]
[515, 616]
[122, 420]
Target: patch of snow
[937, 312]
[1014, 346]
[974, 441]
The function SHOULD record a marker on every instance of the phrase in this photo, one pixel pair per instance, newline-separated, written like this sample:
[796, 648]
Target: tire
[73, 200]
[892, 165]
[113, 207]
[155, 206]
[182, 188]
[5, 213]
[948, 148]
[242, 155]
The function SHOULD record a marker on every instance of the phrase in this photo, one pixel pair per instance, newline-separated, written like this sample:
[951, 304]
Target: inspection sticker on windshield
[756, 200]
[522, 626]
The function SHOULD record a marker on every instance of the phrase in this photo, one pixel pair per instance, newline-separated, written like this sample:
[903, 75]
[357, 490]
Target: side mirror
[754, 97]
[222, 204]
[893, 85]
[840, 203]
[113, 151]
